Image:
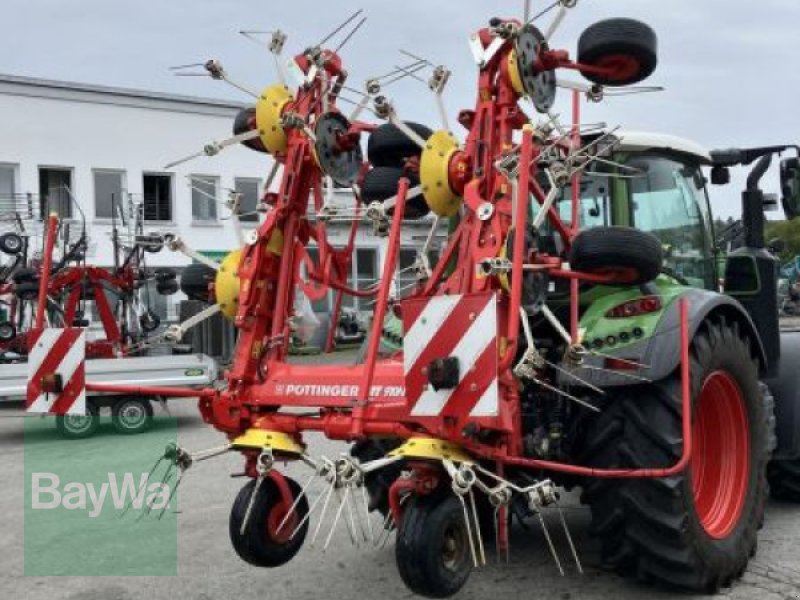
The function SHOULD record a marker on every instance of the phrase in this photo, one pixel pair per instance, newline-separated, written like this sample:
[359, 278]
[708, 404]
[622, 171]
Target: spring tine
[365, 500]
[142, 487]
[469, 530]
[324, 511]
[351, 500]
[620, 373]
[569, 539]
[250, 503]
[293, 507]
[384, 527]
[477, 527]
[550, 543]
[336, 518]
[575, 377]
[149, 507]
[389, 529]
[171, 495]
[566, 395]
[497, 532]
[307, 515]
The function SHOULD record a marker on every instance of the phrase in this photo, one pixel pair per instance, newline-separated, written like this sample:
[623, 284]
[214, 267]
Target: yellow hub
[259, 439]
[269, 109]
[513, 73]
[431, 448]
[434, 174]
[226, 284]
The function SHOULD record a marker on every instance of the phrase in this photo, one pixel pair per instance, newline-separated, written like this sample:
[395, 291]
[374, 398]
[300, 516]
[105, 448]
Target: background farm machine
[556, 342]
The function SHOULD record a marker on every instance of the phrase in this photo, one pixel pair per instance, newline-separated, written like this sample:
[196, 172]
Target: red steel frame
[261, 380]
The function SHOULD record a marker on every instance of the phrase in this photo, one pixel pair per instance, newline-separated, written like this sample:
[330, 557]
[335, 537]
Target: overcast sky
[729, 66]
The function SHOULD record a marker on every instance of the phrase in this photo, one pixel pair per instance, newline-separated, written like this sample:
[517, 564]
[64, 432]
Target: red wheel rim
[721, 456]
[619, 67]
[274, 519]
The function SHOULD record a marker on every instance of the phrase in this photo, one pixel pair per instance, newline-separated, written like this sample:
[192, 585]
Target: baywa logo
[48, 492]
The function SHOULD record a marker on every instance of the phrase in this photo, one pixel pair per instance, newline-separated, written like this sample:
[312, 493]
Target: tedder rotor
[485, 411]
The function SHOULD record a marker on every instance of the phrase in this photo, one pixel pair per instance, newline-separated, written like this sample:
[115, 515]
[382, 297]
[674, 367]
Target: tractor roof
[638, 140]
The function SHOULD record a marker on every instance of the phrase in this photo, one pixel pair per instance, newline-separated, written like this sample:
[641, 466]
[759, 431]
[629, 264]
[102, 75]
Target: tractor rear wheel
[265, 543]
[433, 546]
[695, 531]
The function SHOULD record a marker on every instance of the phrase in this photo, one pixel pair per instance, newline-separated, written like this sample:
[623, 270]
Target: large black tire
[380, 184]
[628, 47]
[132, 415]
[241, 124]
[11, 243]
[652, 528]
[79, 427]
[378, 482]
[168, 288]
[257, 546]
[195, 280]
[387, 146]
[631, 256]
[432, 550]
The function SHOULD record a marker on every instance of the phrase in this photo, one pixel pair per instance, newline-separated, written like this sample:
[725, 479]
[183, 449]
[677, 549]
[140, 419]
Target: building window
[157, 197]
[108, 193]
[204, 197]
[8, 182]
[55, 192]
[249, 190]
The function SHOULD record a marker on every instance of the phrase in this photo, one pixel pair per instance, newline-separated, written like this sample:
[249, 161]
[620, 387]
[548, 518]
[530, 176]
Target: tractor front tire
[433, 548]
[263, 544]
[695, 531]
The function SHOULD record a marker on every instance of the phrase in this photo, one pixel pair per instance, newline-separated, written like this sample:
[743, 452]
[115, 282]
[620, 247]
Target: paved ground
[208, 568]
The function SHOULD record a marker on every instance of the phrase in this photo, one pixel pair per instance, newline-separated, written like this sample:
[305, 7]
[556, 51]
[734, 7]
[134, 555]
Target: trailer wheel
[11, 243]
[76, 427]
[625, 48]
[433, 549]
[263, 544]
[380, 184]
[695, 531]
[132, 415]
[7, 331]
[387, 146]
[629, 256]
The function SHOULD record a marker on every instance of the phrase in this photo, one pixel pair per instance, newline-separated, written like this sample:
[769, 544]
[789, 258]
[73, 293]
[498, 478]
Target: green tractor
[697, 530]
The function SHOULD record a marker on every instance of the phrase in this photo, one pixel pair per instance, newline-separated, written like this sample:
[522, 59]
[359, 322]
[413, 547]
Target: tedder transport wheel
[695, 531]
[132, 415]
[387, 146]
[262, 545]
[76, 427]
[631, 256]
[380, 183]
[433, 550]
[625, 48]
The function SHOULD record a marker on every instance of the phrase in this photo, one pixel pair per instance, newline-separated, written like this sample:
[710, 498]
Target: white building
[102, 142]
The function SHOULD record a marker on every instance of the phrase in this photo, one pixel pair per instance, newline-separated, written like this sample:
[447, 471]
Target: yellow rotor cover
[513, 73]
[431, 448]
[434, 174]
[269, 108]
[258, 439]
[226, 284]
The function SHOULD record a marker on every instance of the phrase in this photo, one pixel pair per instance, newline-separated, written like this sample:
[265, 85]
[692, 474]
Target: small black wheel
[626, 49]
[132, 415]
[11, 243]
[167, 288]
[629, 256]
[244, 122]
[195, 281]
[76, 427]
[433, 547]
[380, 183]
[165, 274]
[149, 321]
[25, 274]
[7, 331]
[263, 544]
[387, 146]
[28, 290]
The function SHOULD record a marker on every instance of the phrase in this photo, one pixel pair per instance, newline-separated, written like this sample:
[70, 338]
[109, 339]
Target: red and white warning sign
[460, 326]
[56, 369]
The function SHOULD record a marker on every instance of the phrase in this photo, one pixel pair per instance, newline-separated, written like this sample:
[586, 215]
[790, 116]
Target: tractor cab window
[667, 198]
[595, 202]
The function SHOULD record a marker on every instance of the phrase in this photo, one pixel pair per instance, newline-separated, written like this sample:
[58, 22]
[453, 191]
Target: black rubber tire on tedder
[257, 545]
[195, 280]
[11, 243]
[380, 183]
[632, 256]
[378, 482]
[387, 146]
[433, 549]
[695, 531]
[241, 124]
[627, 47]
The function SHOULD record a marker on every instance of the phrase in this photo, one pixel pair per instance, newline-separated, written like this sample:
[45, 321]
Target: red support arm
[47, 265]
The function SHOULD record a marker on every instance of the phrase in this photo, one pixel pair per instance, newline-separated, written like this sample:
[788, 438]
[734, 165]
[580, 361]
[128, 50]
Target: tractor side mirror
[720, 175]
[790, 186]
